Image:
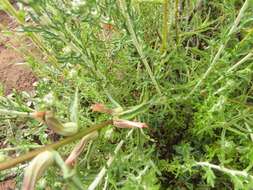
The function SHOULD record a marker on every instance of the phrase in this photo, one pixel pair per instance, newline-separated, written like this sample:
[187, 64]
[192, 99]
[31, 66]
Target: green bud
[70, 128]
[66, 129]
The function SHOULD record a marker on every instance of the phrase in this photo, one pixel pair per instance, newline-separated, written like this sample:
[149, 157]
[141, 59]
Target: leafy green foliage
[210, 177]
[195, 119]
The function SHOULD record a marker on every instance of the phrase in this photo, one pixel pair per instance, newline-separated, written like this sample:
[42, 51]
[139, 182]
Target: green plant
[195, 94]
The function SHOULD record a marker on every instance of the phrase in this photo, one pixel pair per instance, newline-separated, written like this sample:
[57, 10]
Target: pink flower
[40, 115]
[101, 108]
[70, 161]
[121, 123]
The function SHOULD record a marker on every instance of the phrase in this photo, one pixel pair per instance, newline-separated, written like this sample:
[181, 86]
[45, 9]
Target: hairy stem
[225, 170]
[15, 113]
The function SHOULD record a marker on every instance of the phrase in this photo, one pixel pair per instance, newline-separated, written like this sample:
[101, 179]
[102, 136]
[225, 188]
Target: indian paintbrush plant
[107, 70]
[46, 156]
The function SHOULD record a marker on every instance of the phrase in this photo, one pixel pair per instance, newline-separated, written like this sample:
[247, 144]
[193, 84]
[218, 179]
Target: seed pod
[66, 129]
[121, 123]
[79, 148]
[36, 168]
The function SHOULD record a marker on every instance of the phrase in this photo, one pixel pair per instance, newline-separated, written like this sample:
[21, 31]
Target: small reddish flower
[121, 123]
[70, 161]
[101, 108]
[107, 26]
[40, 116]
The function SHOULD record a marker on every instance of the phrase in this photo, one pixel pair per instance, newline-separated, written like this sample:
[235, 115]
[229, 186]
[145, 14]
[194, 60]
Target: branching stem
[123, 7]
[28, 156]
[221, 49]
[15, 113]
[225, 170]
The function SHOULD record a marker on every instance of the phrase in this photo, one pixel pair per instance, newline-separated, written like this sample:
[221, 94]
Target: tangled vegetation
[182, 67]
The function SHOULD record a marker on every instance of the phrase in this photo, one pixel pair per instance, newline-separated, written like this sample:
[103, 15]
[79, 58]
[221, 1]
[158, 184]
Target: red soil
[13, 76]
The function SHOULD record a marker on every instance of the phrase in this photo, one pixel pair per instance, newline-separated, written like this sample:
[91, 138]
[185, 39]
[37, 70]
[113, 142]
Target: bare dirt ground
[8, 185]
[12, 75]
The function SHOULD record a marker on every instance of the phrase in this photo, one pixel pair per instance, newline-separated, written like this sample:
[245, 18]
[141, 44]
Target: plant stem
[225, 170]
[76, 44]
[102, 172]
[16, 113]
[222, 46]
[165, 25]
[244, 59]
[176, 20]
[7, 6]
[123, 7]
[28, 156]
[22, 147]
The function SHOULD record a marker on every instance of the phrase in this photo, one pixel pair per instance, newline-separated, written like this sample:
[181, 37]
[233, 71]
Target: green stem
[15, 113]
[76, 44]
[28, 156]
[176, 20]
[37, 41]
[221, 49]
[225, 170]
[165, 25]
[7, 6]
[123, 7]
[236, 65]
[76, 183]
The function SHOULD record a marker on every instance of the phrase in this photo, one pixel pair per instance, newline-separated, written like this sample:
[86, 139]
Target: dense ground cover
[182, 67]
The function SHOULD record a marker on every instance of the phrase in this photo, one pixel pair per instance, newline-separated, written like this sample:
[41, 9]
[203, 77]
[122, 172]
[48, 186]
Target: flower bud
[36, 168]
[101, 108]
[79, 148]
[121, 123]
[40, 116]
[66, 129]
[70, 128]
